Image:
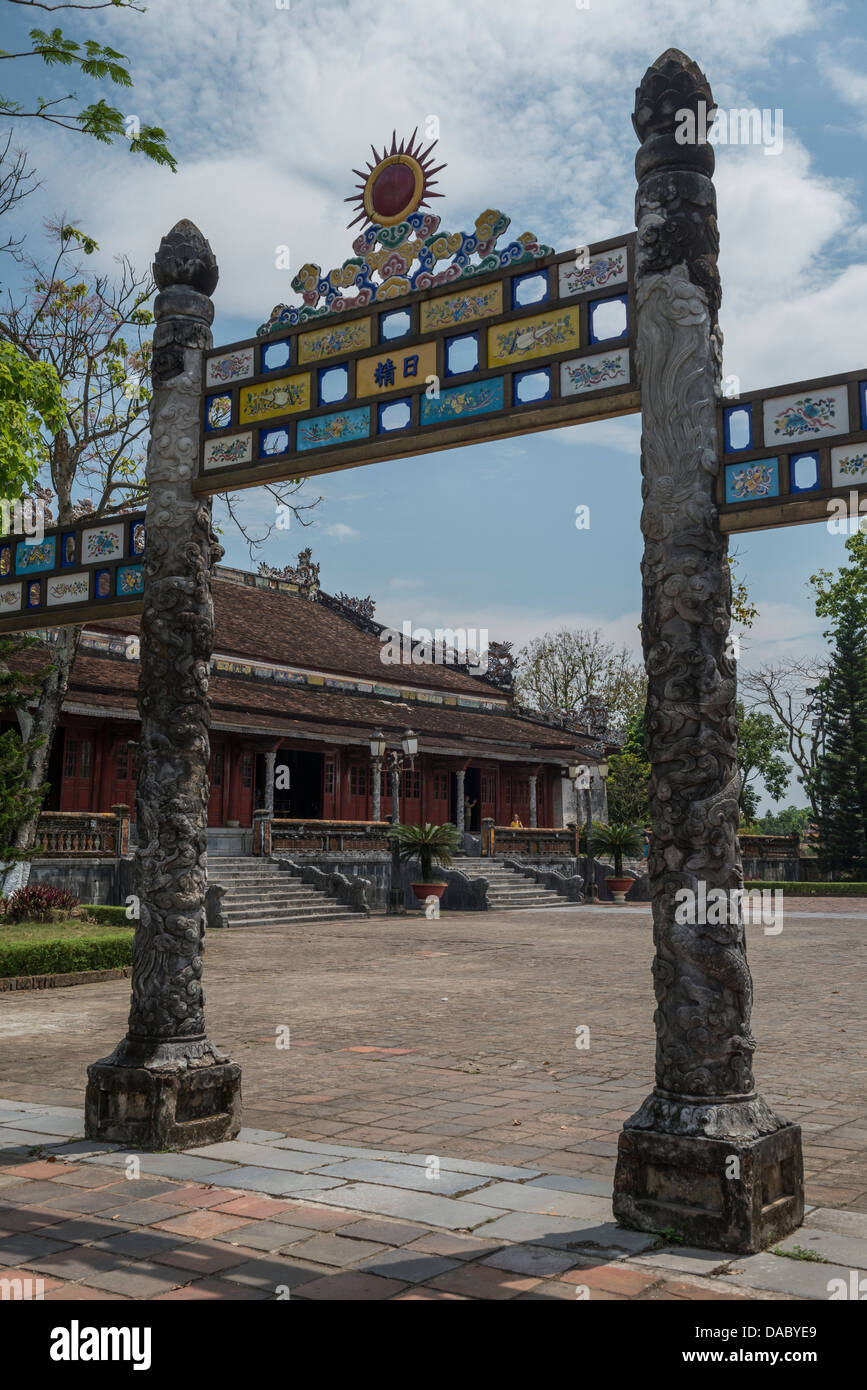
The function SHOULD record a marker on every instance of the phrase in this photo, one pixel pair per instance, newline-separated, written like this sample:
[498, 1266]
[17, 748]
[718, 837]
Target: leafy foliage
[561, 670]
[61, 957]
[761, 742]
[31, 405]
[618, 839]
[36, 902]
[99, 63]
[18, 801]
[428, 844]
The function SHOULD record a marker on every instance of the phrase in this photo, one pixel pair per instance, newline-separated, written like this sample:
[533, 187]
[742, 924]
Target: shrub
[812, 888]
[66, 955]
[36, 903]
[111, 916]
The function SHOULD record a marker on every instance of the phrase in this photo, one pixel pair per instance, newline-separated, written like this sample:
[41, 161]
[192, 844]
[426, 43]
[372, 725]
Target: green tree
[840, 777]
[560, 671]
[760, 744]
[793, 820]
[31, 405]
[19, 802]
[629, 777]
[94, 61]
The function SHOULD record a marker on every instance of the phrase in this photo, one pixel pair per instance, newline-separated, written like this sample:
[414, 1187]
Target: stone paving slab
[516, 1197]
[48, 1123]
[410, 1177]
[831, 1245]
[454, 1214]
[767, 1271]
[278, 1181]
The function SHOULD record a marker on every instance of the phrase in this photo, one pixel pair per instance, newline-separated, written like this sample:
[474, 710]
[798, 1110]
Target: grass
[801, 1252]
[73, 928]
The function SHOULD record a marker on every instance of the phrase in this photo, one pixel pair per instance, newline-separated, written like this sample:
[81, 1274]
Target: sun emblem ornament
[397, 183]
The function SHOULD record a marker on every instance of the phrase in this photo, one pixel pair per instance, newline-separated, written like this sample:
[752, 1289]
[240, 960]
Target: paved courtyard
[415, 1040]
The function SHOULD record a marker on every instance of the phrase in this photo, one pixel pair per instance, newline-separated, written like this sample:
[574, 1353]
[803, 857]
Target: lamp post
[575, 772]
[395, 759]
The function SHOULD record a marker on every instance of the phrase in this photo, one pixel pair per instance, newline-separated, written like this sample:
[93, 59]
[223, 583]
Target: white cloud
[341, 532]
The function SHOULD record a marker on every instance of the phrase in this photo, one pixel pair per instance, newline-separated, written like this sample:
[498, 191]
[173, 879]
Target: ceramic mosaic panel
[752, 482]
[35, 559]
[594, 373]
[813, 414]
[100, 543]
[67, 550]
[283, 396]
[5, 560]
[483, 303]
[344, 427]
[331, 342]
[849, 464]
[67, 588]
[137, 536]
[459, 402]
[602, 270]
[129, 580]
[394, 370]
[11, 596]
[234, 448]
[538, 336]
[233, 366]
[218, 412]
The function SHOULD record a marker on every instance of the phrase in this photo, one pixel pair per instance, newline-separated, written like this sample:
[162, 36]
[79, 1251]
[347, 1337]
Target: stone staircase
[509, 889]
[259, 894]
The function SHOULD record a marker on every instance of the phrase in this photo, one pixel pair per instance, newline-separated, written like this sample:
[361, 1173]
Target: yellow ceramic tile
[455, 309]
[395, 369]
[520, 340]
[330, 342]
[269, 398]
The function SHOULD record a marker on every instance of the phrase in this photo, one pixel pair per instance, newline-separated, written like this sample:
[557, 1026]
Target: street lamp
[394, 760]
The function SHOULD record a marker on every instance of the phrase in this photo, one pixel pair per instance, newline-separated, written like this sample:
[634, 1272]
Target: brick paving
[453, 1039]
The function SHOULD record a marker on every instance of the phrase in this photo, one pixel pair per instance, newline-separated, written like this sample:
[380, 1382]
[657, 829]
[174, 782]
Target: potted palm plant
[617, 840]
[428, 845]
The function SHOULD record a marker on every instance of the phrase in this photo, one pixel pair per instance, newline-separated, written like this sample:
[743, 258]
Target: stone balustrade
[83, 834]
[540, 841]
[276, 836]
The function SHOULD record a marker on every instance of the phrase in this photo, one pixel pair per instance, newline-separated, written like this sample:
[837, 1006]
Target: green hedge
[63, 957]
[111, 916]
[809, 889]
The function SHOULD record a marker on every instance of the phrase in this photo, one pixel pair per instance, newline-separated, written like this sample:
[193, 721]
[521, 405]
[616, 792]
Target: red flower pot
[429, 890]
[619, 887]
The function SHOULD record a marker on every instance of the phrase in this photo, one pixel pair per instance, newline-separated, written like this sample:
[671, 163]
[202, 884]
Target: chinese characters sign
[543, 343]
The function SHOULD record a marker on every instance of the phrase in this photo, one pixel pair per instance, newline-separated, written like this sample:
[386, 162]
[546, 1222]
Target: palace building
[298, 690]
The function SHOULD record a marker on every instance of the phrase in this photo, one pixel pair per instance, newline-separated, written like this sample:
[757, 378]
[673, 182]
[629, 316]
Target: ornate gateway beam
[705, 1154]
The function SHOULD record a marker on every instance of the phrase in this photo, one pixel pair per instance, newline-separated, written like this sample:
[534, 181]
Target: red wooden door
[488, 795]
[410, 797]
[216, 775]
[124, 774]
[359, 788]
[77, 793]
[329, 785]
[244, 790]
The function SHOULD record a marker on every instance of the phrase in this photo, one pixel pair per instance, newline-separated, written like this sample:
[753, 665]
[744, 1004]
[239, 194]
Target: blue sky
[268, 110]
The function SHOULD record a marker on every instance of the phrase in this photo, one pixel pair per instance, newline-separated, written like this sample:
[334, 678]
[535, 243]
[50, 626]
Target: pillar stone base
[170, 1102]
[739, 1195]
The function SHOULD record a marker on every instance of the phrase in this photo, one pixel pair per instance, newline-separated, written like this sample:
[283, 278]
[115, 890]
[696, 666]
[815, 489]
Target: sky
[270, 104]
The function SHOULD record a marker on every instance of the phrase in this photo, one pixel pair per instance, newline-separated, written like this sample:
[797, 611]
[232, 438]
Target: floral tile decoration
[282, 396]
[11, 598]
[344, 427]
[813, 415]
[849, 465]
[232, 366]
[129, 580]
[600, 271]
[331, 342]
[536, 336]
[457, 402]
[102, 543]
[752, 482]
[482, 303]
[67, 588]
[35, 559]
[229, 449]
[594, 373]
[218, 412]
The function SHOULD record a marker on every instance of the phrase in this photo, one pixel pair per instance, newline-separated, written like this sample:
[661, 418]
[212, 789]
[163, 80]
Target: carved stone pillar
[705, 1154]
[166, 1086]
[534, 817]
[270, 760]
[461, 817]
[394, 783]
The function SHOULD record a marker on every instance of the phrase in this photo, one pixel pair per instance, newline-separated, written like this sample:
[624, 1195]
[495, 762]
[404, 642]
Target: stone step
[288, 918]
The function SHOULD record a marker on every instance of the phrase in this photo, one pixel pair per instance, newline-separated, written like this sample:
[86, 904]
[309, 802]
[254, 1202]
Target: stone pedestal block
[174, 1107]
[725, 1194]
